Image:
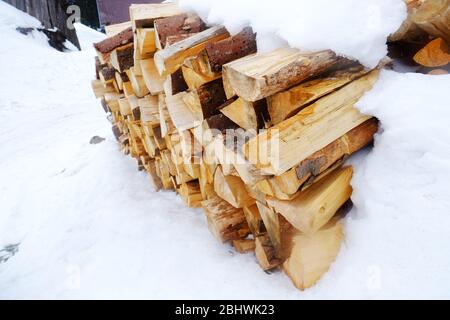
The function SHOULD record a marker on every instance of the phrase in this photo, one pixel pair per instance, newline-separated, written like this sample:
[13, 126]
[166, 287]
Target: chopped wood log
[152, 79]
[165, 121]
[248, 115]
[434, 54]
[232, 189]
[209, 98]
[311, 256]
[149, 109]
[287, 185]
[98, 67]
[114, 29]
[175, 83]
[256, 77]
[272, 225]
[195, 80]
[108, 45]
[122, 58]
[144, 15]
[182, 117]
[107, 75]
[191, 194]
[286, 104]
[254, 220]
[172, 57]
[145, 39]
[222, 52]
[289, 143]
[265, 253]
[182, 24]
[433, 16]
[125, 108]
[137, 82]
[315, 206]
[244, 245]
[99, 89]
[225, 222]
[218, 123]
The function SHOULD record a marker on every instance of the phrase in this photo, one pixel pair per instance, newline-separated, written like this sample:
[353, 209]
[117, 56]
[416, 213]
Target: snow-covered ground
[79, 221]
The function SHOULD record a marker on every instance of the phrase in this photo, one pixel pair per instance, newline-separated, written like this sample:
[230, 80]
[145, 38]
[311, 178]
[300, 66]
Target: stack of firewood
[259, 141]
[423, 41]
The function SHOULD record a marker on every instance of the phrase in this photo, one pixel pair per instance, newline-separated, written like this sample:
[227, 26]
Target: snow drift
[352, 28]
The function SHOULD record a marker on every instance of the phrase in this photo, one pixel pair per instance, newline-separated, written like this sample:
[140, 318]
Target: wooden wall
[51, 13]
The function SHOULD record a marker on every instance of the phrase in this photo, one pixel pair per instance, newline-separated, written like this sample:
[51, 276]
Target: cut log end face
[435, 54]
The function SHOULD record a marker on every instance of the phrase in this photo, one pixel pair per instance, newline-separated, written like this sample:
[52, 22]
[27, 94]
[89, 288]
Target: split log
[122, 58]
[125, 108]
[209, 98]
[105, 47]
[217, 54]
[172, 57]
[137, 83]
[265, 253]
[248, 115]
[115, 29]
[165, 121]
[182, 24]
[315, 206]
[272, 225]
[287, 185]
[195, 80]
[99, 89]
[232, 189]
[149, 109]
[435, 54]
[310, 256]
[254, 220]
[144, 15]
[225, 222]
[145, 39]
[244, 245]
[175, 83]
[182, 117]
[191, 194]
[289, 143]
[286, 104]
[218, 123]
[152, 79]
[259, 76]
[433, 16]
[107, 75]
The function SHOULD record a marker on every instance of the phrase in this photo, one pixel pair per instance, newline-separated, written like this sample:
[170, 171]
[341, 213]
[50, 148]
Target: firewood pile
[259, 141]
[424, 38]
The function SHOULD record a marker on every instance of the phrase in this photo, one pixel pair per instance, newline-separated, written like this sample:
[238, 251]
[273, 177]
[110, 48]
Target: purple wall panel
[116, 11]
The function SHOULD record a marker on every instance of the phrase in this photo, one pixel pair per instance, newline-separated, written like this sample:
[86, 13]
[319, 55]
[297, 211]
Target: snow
[352, 28]
[79, 221]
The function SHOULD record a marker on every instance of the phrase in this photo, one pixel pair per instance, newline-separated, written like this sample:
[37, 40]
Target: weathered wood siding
[51, 13]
